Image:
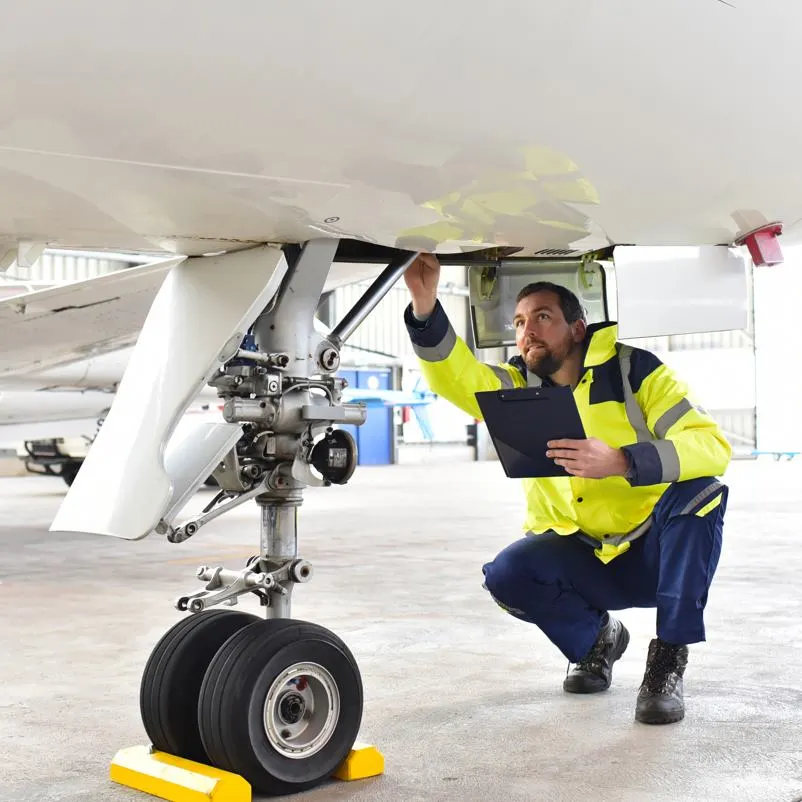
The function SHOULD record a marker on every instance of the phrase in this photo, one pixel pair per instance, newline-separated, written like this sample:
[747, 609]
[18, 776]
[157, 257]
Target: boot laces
[593, 661]
[662, 669]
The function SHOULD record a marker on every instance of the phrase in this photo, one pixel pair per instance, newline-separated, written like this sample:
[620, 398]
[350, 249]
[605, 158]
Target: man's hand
[588, 459]
[422, 277]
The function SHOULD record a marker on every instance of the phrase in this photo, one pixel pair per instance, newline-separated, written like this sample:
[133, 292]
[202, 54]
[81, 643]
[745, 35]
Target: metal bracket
[191, 527]
[587, 273]
[487, 282]
[355, 414]
[228, 474]
[276, 361]
[225, 586]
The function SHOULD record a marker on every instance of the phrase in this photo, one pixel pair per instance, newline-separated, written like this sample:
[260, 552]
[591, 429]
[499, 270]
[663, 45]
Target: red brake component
[764, 247]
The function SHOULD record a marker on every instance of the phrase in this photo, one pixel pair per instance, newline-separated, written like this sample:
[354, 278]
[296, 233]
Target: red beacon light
[763, 245]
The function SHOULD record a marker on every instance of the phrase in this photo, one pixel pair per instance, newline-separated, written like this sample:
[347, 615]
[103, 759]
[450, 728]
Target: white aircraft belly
[534, 123]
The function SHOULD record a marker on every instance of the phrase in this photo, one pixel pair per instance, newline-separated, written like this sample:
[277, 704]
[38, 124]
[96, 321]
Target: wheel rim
[301, 710]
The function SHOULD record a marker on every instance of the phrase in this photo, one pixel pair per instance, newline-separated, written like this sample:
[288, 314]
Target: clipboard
[522, 421]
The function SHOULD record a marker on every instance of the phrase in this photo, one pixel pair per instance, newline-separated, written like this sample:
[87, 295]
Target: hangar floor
[464, 701]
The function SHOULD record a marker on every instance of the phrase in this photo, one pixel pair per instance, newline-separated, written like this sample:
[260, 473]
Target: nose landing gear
[278, 701]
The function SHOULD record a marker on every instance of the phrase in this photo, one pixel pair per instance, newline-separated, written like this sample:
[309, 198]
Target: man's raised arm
[447, 364]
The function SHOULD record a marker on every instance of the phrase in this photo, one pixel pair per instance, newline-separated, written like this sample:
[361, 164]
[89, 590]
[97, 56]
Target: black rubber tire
[231, 705]
[171, 681]
[69, 470]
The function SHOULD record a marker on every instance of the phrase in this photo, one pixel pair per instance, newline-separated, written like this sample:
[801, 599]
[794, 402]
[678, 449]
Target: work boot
[660, 698]
[594, 672]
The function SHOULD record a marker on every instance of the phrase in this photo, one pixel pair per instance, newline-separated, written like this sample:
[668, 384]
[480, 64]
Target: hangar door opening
[778, 291]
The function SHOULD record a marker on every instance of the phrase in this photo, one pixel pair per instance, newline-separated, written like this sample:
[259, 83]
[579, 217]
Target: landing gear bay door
[195, 324]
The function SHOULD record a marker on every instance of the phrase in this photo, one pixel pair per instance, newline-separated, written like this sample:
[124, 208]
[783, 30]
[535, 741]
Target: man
[638, 521]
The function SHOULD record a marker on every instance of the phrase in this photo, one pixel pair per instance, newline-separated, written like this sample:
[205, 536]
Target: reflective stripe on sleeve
[503, 376]
[669, 459]
[671, 416]
[700, 498]
[439, 352]
[633, 410]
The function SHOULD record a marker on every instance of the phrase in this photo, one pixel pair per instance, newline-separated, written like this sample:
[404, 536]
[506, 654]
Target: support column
[288, 325]
[278, 537]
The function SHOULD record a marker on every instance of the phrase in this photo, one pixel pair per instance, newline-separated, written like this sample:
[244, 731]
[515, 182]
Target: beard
[545, 362]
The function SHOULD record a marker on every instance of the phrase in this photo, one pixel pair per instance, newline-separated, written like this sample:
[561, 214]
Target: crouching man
[638, 521]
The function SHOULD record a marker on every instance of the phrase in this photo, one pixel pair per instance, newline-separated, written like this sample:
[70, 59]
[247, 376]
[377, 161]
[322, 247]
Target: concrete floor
[464, 701]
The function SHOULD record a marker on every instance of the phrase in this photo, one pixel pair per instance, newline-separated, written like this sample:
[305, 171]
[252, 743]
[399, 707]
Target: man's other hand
[588, 459]
[422, 277]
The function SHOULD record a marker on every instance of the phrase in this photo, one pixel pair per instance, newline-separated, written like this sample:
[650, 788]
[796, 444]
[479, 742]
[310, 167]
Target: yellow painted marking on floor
[176, 779]
[363, 761]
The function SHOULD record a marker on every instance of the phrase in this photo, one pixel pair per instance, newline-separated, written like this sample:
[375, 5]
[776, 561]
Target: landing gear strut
[277, 701]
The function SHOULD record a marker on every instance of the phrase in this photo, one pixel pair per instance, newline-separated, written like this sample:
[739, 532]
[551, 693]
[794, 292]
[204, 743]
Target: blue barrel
[374, 438]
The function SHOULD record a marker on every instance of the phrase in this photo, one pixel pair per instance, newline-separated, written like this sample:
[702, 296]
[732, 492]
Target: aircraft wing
[50, 327]
[60, 325]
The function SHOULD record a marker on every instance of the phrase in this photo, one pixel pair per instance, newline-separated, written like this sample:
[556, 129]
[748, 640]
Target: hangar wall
[722, 368]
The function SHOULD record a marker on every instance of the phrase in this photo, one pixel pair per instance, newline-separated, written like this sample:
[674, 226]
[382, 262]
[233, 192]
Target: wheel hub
[301, 710]
[292, 708]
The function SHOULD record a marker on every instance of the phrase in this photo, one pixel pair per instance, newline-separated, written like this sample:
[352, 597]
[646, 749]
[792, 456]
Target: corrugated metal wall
[694, 342]
[384, 330]
[61, 267]
[738, 426]
[705, 341]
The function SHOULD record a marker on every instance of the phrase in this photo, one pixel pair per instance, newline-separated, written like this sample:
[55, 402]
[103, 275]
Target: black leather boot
[594, 672]
[660, 698]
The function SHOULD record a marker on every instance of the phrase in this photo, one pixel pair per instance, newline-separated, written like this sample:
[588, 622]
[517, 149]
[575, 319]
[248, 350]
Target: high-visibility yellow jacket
[626, 397]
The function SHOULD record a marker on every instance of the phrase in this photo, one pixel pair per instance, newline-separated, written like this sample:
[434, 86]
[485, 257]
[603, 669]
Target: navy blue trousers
[557, 583]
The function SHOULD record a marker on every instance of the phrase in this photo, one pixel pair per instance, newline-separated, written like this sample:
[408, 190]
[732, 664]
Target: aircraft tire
[171, 681]
[69, 471]
[281, 705]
